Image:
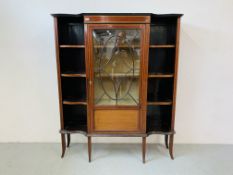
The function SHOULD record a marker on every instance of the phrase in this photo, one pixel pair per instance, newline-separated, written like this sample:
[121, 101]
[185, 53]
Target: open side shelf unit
[117, 75]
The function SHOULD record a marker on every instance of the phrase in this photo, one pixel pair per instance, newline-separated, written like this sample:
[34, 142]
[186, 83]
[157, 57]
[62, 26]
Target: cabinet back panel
[71, 31]
[161, 60]
[159, 118]
[163, 31]
[74, 88]
[72, 60]
[160, 89]
[75, 117]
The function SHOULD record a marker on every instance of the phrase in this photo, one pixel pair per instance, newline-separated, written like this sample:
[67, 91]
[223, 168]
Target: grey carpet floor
[115, 159]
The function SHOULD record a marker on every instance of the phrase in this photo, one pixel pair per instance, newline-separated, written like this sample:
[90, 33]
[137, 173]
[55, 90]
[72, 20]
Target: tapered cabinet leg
[166, 141]
[89, 149]
[63, 143]
[143, 149]
[171, 139]
[68, 140]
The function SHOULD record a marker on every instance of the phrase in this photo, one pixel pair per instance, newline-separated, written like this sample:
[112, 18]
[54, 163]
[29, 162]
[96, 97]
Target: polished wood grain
[89, 148]
[58, 71]
[63, 140]
[175, 73]
[116, 120]
[116, 19]
[144, 149]
[89, 74]
[144, 77]
[171, 139]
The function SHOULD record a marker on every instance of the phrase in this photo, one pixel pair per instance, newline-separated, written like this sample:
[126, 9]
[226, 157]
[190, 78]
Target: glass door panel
[116, 54]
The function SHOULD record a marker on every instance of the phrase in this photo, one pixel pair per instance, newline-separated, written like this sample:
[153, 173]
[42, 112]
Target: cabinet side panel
[58, 70]
[175, 73]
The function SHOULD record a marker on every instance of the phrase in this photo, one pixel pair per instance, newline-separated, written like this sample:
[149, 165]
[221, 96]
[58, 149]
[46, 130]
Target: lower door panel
[117, 120]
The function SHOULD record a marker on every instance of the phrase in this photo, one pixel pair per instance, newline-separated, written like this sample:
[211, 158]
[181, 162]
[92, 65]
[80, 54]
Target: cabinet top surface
[116, 14]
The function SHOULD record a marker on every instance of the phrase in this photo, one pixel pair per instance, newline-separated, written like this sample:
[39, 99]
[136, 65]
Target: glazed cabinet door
[116, 55]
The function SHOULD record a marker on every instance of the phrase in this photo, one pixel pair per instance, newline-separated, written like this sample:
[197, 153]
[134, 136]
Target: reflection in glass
[116, 66]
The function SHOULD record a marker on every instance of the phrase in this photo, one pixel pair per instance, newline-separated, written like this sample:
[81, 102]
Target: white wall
[28, 85]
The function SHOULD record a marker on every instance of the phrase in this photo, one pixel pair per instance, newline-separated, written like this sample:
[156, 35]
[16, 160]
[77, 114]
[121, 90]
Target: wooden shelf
[73, 75]
[72, 46]
[160, 103]
[161, 75]
[72, 102]
[121, 46]
[163, 46]
[118, 75]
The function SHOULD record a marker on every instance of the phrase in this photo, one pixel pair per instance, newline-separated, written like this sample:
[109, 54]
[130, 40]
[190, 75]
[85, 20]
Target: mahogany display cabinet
[117, 75]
